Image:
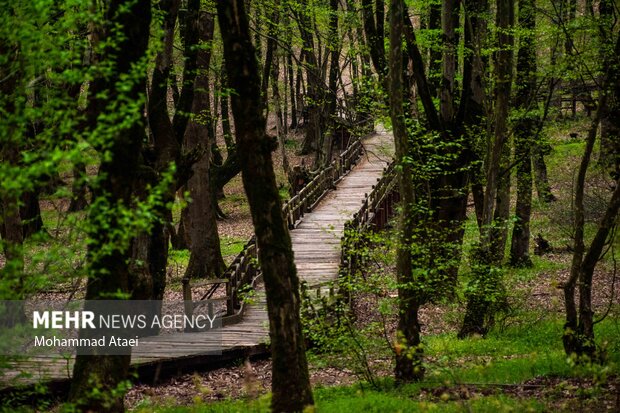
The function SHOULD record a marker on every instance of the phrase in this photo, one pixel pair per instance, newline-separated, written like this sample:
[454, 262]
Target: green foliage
[178, 257]
[231, 246]
[339, 339]
[513, 356]
[337, 400]
[50, 122]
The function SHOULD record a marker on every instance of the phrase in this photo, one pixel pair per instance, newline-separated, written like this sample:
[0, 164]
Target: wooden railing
[240, 276]
[242, 273]
[325, 180]
[377, 208]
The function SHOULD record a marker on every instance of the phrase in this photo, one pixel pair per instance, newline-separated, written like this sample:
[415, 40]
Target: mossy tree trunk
[524, 131]
[487, 291]
[408, 354]
[126, 28]
[150, 249]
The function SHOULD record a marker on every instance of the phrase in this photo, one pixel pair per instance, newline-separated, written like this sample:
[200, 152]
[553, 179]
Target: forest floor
[518, 366]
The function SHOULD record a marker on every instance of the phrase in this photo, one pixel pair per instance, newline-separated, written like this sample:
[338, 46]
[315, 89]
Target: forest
[309, 205]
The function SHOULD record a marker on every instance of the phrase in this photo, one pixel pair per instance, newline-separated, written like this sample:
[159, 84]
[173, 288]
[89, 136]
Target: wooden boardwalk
[316, 240]
[316, 243]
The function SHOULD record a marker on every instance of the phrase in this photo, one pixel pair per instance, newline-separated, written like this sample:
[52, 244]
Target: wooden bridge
[355, 191]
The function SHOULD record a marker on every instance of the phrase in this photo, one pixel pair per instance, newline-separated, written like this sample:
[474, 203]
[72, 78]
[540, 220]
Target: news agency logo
[88, 319]
[107, 327]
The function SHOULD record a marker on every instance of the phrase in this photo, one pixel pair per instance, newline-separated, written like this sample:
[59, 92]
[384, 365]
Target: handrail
[377, 208]
[241, 272]
[310, 195]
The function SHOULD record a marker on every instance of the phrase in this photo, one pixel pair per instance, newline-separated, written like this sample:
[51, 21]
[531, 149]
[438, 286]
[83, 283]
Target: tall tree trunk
[360, 89]
[445, 190]
[374, 30]
[610, 120]
[300, 91]
[524, 130]
[334, 70]
[315, 94]
[408, 352]
[281, 118]
[224, 107]
[578, 335]
[434, 56]
[206, 256]
[520, 243]
[272, 39]
[433, 120]
[488, 290]
[291, 80]
[108, 257]
[472, 113]
[541, 177]
[503, 81]
[290, 384]
[179, 239]
[502, 208]
[150, 250]
[449, 25]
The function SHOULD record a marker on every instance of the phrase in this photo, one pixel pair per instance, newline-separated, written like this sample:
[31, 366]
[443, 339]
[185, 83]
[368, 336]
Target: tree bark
[374, 30]
[502, 208]
[449, 24]
[290, 384]
[610, 120]
[291, 80]
[541, 177]
[489, 290]
[524, 130]
[408, 352]
[224, 107]
[578, 335]
[108, 257]
[520, 243]
[206, 256]
[316, 88]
